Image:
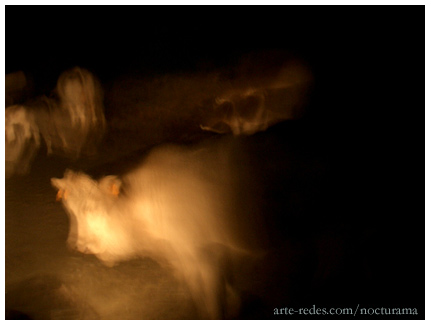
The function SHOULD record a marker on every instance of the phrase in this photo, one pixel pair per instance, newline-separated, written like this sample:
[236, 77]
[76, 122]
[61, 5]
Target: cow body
[176, 208]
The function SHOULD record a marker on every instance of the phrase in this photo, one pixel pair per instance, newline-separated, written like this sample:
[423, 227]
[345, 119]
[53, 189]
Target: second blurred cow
[180, 207]
[70, 122]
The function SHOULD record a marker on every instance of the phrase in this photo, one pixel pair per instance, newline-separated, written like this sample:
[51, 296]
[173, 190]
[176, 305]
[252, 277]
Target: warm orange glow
[115, 190]
[59, 195]
[175, 209]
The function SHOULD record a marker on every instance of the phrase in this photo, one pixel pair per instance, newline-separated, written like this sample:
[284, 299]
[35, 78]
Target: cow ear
[62, 194]
[57, 183]
[110, 185]
[68, 173]
[115, 189]
[60, 185]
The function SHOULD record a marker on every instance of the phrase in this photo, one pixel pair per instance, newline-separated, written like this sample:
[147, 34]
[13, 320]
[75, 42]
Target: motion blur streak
[244, 98]
[176, 208]
[70, 122]
[254, 106]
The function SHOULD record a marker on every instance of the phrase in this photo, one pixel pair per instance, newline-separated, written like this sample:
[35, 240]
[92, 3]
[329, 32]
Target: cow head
[89, 205]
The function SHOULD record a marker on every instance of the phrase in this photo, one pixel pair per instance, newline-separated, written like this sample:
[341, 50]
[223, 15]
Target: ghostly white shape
[70, 124]
[176, 208]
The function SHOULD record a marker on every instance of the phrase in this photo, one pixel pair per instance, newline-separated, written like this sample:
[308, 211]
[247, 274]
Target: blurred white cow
[70, 122]
[176, 208]
[250, 105]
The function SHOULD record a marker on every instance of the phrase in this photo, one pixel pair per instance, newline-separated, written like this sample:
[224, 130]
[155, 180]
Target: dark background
[366, 111]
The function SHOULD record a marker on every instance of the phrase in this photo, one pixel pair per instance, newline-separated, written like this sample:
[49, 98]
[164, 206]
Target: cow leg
[48, 145]
[210, 279]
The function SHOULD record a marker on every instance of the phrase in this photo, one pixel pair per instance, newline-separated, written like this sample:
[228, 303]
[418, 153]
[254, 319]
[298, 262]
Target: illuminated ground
[333, 243]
